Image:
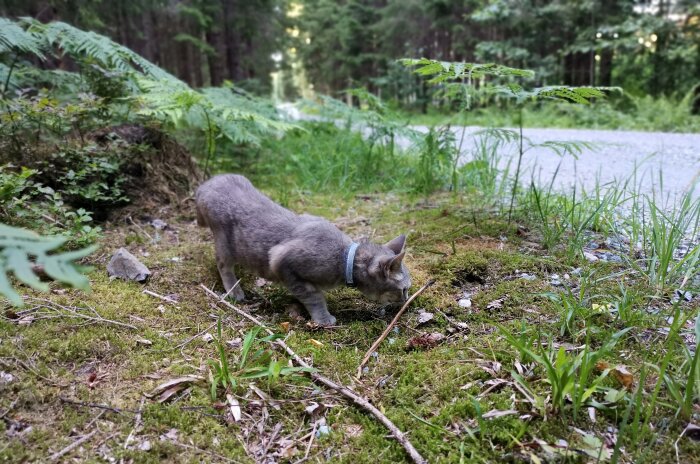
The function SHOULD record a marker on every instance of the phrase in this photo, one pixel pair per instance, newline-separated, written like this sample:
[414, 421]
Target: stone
[124, 265]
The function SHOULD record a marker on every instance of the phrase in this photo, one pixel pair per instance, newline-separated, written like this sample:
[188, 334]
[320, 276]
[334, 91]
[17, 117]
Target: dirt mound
[160, 172]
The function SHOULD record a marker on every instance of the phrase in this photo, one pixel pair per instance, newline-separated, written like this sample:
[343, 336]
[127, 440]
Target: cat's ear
[395, 264]
[397, 244]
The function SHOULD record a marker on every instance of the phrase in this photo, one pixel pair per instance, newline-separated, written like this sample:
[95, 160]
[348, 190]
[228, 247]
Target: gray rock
[124, 265]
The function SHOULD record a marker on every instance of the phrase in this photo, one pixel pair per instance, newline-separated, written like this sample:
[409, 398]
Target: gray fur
[305, 253]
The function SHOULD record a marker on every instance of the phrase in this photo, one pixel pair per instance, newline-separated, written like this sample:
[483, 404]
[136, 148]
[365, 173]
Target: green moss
[437, 395]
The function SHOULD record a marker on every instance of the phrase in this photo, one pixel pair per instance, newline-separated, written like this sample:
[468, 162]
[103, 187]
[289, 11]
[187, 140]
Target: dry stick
[72, 446]
[72, 311]
[137, 425]
[345, 391]
[164, 298]
[391, 325]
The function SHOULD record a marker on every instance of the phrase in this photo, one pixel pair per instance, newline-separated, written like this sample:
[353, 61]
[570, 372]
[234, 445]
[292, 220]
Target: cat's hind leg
[225, 262]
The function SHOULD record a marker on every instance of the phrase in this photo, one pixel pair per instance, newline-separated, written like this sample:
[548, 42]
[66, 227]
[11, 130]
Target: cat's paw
[235, 295]
[325, 320]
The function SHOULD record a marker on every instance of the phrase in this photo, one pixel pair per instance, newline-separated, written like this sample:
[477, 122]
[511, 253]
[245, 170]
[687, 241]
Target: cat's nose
[405, 294]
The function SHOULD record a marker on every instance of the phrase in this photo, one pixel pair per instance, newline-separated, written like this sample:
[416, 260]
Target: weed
[260, 363]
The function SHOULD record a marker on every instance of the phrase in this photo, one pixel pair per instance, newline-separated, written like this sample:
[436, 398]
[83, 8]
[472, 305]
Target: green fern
[29, 36]
[580, 95]
[216, 111]
[14, 39]
[16, 247]
[449, 71]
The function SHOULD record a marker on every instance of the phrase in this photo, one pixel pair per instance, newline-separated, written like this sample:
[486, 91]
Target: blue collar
[349, 262]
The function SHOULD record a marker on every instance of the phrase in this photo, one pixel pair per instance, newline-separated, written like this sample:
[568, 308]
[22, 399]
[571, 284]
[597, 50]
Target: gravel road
[614, 159]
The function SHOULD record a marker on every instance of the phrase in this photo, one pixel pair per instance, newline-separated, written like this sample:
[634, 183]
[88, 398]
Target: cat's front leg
[313, 300]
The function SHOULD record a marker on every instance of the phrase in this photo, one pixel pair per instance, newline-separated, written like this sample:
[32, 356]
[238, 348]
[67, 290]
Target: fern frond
[442, 71]
[240, 118]
[81, 44]
[13, 38]
[16, 247]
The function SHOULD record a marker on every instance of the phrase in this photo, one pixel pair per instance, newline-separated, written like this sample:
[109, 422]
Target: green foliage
[441, 71]
[15, 39]
[16, 248]
[92, 47]
[26, 203]
[571, 377]
[253, 362]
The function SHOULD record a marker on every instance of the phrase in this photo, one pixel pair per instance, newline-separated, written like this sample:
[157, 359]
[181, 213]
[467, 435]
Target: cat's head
[380, 273]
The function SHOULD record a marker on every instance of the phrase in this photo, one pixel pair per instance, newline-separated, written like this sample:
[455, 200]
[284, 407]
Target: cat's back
[233, 197]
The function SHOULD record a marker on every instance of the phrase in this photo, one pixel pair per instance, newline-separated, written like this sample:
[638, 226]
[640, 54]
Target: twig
[311, 441]
[391, 325]
[457, 325]
[345, 391]
[273, 435]
[71, 311]
[72, 446]
[94, 405]
[164, 298]
[141, 229]
[203, 451]
[189, 340]
[137, 424]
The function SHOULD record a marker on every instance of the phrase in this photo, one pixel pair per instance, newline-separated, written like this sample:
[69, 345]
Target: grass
[621, 113]
[442, 396]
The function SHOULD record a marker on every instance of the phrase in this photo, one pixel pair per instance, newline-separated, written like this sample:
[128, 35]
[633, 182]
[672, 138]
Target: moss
[437, 395]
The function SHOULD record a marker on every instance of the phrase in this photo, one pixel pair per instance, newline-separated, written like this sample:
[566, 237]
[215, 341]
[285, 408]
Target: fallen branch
[72, 446]
[345, 391]
[391, 325]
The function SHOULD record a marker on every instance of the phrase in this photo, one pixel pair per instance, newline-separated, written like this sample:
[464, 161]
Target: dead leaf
[144, 341]
[692, 431]
[591, 414]
[179, 383]
[235, 343]
[426, 341]
[425, 317]
[260, 282]
[170, 392]
[285, 326]
[170, 435]
[623, 376]
[492, 367]
[310, 409]
[207, 337]
[353, 430]
[26, 320]
[315, 343]
[497, 304]
[234, 407]
[495, 413]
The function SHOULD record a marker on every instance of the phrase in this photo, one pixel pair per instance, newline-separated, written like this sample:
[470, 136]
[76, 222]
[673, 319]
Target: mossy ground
[65, 371]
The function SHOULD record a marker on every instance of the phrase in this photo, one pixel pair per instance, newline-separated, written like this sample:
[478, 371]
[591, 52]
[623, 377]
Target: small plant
[571, 377]
[662, 236]
[253, 362]
[18, 246]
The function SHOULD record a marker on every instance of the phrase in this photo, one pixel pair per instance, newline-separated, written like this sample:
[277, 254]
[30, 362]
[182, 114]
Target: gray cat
[306, 253]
